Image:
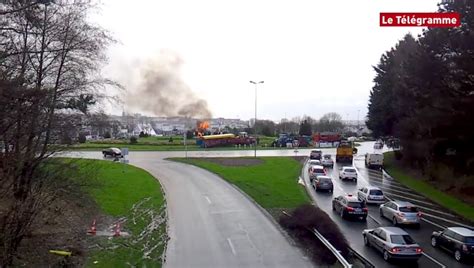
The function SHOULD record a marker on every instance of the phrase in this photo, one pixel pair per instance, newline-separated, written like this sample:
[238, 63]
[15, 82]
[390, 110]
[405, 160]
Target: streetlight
[255, 122]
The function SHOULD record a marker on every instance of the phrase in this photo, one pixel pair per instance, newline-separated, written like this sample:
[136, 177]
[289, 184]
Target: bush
[307, 217]
[107, 135]
[82, 138]
[133, 140]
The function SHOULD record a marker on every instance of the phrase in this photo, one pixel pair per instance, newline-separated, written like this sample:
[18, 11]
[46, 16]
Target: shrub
[133, 140]
[308, 217]
[82, 138]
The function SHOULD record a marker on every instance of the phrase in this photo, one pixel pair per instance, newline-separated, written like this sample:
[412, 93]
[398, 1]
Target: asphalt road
[435, 217]
[211, 224]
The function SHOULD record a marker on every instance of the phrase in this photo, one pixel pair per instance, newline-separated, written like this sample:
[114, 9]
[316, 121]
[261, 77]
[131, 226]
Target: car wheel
[434, 242]
[105, 155]
[364, 219]
[341, 213]
[354, 180]
[394, 221]
[386, 256]
[366, 241]
[457, 255]
[381, 213]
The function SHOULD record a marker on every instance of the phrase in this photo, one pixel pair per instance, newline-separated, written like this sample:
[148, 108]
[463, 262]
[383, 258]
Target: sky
[314, 57]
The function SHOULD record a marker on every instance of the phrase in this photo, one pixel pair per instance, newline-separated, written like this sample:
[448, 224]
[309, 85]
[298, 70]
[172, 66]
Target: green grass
[272, 184]
[116, 189]
[420, 185]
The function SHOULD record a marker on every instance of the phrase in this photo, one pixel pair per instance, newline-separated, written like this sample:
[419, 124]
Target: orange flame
[201, 127]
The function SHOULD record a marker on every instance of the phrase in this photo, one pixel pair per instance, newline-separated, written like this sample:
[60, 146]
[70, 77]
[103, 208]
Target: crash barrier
[364, 262]
[334, 251]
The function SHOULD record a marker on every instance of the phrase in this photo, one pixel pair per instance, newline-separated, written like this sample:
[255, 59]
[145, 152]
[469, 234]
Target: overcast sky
[314, 56]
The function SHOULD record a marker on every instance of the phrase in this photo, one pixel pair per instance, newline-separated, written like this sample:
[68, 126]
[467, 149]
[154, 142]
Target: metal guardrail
[334, 251]
[367, 263]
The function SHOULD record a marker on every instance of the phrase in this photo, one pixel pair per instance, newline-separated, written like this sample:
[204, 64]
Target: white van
[374, 160]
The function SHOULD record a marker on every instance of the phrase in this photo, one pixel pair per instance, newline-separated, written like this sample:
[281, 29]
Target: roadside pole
[185, 146]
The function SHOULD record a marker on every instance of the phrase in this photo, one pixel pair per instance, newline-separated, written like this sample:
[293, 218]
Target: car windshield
[402, 239]
[408, 209]
[318, 170]
[355, 205]
[376, 192]
[350, 170]
[327, 157]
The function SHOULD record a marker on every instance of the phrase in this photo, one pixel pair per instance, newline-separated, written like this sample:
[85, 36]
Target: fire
[201, 127]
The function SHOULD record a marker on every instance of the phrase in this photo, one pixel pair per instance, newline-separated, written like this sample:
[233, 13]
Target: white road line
[231, 246]
[374, 219]
[407, 198]
[433, 223]
[208, 200]
[339, 187]
[446, 220]
[398, 191]
[434, 260]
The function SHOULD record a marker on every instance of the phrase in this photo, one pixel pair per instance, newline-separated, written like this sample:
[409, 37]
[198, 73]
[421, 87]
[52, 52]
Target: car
[349, 206]
[348, 173]
[371, 195]
[114, 152]
[316, 171]
[374, 161]
[458, 240]
[313, 162]
[327, 161]
[393, 243]
[323, 183]
[401, 212]
[315, 154]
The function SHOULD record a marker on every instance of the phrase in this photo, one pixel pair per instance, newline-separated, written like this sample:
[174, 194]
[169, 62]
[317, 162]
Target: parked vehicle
[348, 173]
[327, 161]
[316, 171]
[401, 212]
[393, 243]
[323, 183]
[378, 145]
[458, 240]
[114, 152]
[315, 154]
[349, 206]
[374, 161]
[371, 195]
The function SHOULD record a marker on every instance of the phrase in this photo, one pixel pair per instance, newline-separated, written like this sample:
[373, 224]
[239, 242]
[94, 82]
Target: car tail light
[350, 208]
[419, 250]
[401, 214]
[394, 250]
[365, 209]
[465, 248]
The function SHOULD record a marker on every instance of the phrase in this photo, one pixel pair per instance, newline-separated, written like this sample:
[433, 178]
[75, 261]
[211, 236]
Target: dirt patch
[234, 162]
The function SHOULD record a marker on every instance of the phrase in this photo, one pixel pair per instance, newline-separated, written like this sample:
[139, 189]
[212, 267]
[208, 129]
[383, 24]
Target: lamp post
[255, 121]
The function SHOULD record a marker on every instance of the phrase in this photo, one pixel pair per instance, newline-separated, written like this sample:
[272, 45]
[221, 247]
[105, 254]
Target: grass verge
[272, 182]
[133, 196]
[421, 185]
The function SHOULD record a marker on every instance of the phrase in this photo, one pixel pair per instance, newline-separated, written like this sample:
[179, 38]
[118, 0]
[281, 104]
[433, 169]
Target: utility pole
[255, 120]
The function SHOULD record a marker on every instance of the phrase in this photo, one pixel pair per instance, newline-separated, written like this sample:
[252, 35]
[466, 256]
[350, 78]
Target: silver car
[401, 212]
[393, 242]
[323, 183]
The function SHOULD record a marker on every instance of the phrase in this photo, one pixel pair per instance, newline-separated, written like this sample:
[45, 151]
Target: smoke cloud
[160, 90]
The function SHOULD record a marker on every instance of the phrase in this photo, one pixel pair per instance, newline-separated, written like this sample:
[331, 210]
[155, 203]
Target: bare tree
[50, 58]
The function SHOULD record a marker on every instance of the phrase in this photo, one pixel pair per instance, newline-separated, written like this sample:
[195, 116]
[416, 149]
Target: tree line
[423, 94]
[50, 62]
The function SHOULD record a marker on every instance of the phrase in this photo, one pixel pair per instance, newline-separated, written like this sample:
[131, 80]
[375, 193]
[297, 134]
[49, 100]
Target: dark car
[349, 206]
[458, 240]
[315, 154]
[323, 183]
[114, 152]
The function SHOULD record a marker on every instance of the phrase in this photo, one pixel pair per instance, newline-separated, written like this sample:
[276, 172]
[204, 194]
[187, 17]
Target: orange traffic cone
[93, 229]
[117, 229]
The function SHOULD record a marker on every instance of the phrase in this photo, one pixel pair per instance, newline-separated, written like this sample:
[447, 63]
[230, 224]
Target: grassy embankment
[272, 183]
[421, 185]
[124, 191]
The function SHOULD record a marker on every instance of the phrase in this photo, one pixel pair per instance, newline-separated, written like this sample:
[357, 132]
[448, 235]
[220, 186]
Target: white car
[371, 195]
[316, 171]
[327, 161]
[348, 173]
[313, 163]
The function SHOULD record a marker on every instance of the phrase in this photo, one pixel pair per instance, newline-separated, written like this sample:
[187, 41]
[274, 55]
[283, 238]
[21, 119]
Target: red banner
[451, 19]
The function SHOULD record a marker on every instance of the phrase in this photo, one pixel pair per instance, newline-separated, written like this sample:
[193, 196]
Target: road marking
[374, 219]
[446, 220]
[225, 211]
[433, 223]
[208, 200]
[231, 246]
[407, 198]
[434, 260]
[340, 188]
